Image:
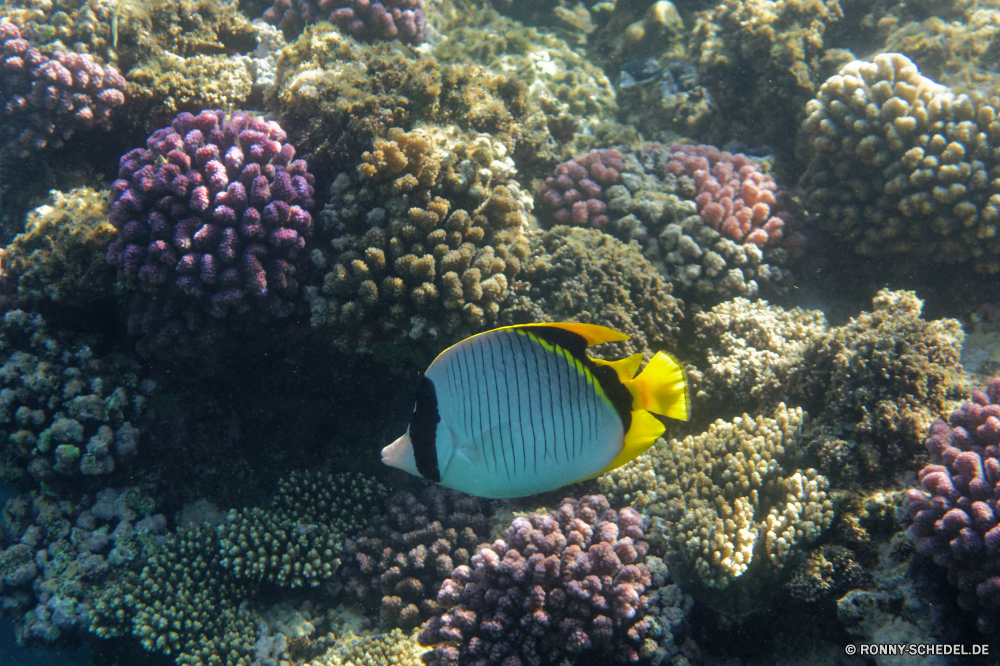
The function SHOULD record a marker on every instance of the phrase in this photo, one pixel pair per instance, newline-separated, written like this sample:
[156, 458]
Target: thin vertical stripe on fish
[523, 409]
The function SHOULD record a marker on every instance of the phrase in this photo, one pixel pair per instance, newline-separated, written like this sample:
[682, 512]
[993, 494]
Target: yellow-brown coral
[718, 499]
[60, 255]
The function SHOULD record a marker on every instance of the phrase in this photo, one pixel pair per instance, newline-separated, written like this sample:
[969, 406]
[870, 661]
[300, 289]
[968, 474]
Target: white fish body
[522, 409]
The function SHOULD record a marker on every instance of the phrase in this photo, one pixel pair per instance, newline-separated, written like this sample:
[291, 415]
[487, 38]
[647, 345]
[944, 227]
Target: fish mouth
[398, 453]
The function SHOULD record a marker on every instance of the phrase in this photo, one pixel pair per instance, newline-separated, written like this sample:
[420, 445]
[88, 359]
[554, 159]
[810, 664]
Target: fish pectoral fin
[625, 368]
[484, 446]
[645, 430]
[662, 388]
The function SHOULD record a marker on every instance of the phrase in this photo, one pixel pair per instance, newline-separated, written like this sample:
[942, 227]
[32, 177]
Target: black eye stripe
[423, 430]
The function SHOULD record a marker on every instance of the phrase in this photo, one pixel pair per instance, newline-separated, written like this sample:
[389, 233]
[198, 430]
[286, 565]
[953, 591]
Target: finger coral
[47, 98]
[365, 20]
[399, 562]
[425, 247]
[570, 582]
[902, 166]
[720, 499]
[212, 219]
[299, 539]
[954, 510]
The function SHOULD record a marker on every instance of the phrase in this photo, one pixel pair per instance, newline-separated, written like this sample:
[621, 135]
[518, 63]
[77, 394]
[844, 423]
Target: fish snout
[399, 454]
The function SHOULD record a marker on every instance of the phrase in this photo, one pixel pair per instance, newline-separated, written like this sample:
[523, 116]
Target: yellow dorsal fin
[645, 430]
[625, 367]
[662, 388]
[592, 333]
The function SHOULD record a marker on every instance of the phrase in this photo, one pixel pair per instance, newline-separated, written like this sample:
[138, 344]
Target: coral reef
[390, 649]
[424, 250]
[574, 194]
[953, 511]
[570, 101]
[63, 411]
[655, 207]
[718, 499]
[60, 255]
[664, 101]
[750, 349]
[400, 561]
[61, 552]
[336, 96]
[585, 275]
[299, 539]
[762, 60]
[901, 166]
[570, 582]
[735, 196]
[48, 98]
[182, 604]
[365, 20]
[876, 384]
[212, 219]
[168, 84]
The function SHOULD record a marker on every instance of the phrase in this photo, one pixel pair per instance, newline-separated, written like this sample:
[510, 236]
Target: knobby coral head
[213, 213]
[955, 510]
[572, 580]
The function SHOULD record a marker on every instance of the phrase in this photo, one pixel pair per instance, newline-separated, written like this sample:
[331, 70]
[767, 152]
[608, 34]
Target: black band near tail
[576, 345]
[423, 431]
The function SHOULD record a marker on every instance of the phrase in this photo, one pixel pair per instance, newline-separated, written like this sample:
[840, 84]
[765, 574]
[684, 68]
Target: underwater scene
[499, 332]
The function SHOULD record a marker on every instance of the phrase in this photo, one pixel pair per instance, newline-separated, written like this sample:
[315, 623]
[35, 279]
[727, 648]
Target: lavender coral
[365, 20]
[46, 99]
[735, 197]
[569, 582]
[400, 561]
[212, 218]
[575, 194]
[954, 511]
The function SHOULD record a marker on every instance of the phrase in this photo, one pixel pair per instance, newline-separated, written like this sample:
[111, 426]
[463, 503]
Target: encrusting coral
[720, 499]
[901, 167]
[750, 349]
[426, 247]
[875, 384]
[575, 274]
[60, 254]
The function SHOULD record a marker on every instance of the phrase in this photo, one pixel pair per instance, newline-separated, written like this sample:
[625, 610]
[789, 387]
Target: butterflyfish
[521, 410]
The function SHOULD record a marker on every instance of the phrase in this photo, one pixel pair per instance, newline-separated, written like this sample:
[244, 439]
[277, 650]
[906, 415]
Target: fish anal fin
[645, 430]
[625, 367]
[662, 388]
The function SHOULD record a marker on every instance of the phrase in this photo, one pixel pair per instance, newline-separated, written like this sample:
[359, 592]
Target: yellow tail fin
[662, 388]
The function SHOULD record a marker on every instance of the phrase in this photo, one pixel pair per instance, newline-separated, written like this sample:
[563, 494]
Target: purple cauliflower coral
[567, 582]
[46, 99]
[575, 194]
[955, 511]
[366, 20]
[212, 218]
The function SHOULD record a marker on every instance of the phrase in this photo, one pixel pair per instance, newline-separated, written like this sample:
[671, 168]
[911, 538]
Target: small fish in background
[522, 410]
